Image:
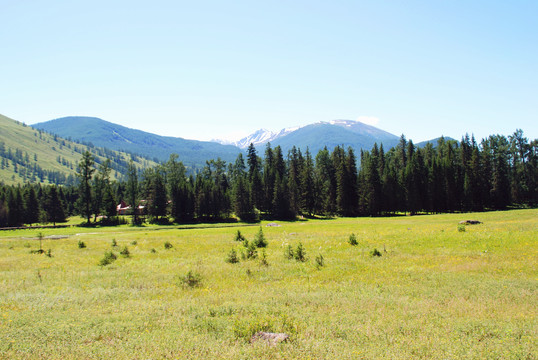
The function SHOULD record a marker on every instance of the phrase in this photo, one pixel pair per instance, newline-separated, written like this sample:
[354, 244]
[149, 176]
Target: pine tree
[132, 191]
[308, 188]
[254, 176]
[54, 207]
[31, 206]
[84, 173]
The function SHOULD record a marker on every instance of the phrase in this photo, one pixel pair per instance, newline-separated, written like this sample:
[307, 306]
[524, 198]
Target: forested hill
[30, 155]
[99, 132]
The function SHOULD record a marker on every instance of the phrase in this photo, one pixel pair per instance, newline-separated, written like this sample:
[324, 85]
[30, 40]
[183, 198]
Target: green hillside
[29, 155]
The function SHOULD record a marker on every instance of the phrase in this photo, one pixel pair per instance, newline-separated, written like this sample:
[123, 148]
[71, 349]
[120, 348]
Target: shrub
[263, 258]
[81, 244]
[251, 251]
[300, 253]
[168, 245]
[375, 252]
[320, 261]
[114, 243]
[259, 240]
[134, 242]
[353, 240]
[108, 258]
[125, 252]
[49, 253]
[461, 228]
[153, 251]
[289, 253]
[232, 257]
[191, 279]
[239, 236]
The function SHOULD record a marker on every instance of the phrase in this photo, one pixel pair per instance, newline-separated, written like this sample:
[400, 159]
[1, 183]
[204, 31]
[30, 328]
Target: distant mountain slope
[103, 133]
[259, 137]
[329, 134]
[29, 155]
[318, 136]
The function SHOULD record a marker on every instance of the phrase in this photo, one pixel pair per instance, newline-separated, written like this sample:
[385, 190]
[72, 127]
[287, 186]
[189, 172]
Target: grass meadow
[435, 293]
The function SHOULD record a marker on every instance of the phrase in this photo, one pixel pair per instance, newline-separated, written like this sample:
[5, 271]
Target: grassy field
[435, 293]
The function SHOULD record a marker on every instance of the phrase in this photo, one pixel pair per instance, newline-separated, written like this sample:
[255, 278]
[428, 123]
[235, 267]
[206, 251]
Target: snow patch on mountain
[263, 136]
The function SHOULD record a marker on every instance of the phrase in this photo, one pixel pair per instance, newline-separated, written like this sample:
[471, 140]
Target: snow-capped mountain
[259, 137]
[322, 132]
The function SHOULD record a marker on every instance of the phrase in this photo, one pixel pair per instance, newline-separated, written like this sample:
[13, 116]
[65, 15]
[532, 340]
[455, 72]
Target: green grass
[434, 293]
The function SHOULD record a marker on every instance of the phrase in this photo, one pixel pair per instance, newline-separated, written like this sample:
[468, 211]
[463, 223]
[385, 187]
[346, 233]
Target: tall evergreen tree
[31, 206]
[255, 177]
[132, 191]
[308, 186]
[54, 207]
[85, 172]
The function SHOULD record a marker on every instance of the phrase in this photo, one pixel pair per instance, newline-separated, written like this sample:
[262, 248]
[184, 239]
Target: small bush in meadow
[375, 252]
[260, 241]
[353, 240]
[232, 257]
[191, 279]
[263, 258]
[461, 228]
[134, 242]
[108, 258]
[49, 253]
[251, 251]
[320, 261]
[114, 243]
[300, 253]
[239, 236]
[81, 244]
[289, 253]
[168, 245]
[153, 251]
[125, 252]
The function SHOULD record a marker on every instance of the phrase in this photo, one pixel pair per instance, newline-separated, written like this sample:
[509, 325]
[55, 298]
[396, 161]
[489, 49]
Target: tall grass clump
[320, 261]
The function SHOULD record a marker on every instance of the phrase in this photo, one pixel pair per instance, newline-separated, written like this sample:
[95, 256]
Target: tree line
[449, 176]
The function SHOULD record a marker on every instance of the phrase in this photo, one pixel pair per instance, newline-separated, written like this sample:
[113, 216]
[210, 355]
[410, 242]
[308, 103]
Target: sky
[223, 69]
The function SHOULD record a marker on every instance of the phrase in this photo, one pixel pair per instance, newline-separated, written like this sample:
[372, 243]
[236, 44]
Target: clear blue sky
[208, 69]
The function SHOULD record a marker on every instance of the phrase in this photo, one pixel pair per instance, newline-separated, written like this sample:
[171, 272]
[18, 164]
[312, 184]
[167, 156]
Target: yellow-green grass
[435, 293]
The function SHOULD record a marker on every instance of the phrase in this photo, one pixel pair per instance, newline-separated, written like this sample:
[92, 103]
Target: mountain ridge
[192, 153]
[30, 155]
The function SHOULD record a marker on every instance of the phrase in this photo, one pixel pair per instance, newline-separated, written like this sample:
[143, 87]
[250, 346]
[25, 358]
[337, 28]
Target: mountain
[30, 155]
[259, 137]
[99, 132]
[325, 133]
